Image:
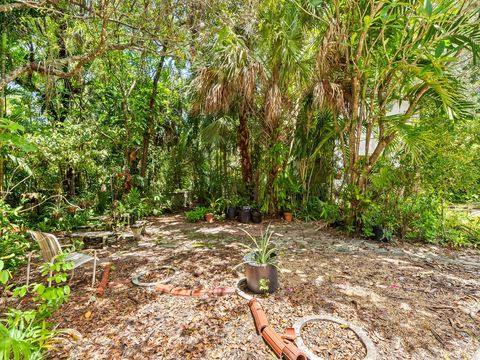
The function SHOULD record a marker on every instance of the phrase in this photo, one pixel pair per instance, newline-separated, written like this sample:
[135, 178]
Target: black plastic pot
[244, 215]
[256, 272]
[256, 216]
[380, 233]
[231, 212]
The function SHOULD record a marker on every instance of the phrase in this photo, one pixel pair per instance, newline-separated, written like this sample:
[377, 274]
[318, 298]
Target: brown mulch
[415, 302]
[332, 341]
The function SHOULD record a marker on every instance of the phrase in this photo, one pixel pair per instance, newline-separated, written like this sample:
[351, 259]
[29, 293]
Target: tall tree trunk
[3, 54]
[272, 129]
[150, 126]
[70, 181]
[65, 94]
[244, 147]
[127, 177]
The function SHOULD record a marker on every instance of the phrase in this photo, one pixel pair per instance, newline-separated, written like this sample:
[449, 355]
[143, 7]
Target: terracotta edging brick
[290, 351]
[164, 288]
[279, 344]
[273, 339]
[289, 334]
[199, 292]
[181, 292]
[258, 314]
[104, 282]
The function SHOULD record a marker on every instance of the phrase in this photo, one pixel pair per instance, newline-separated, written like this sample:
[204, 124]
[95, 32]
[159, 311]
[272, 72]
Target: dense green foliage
[26, 334]
[360, 113]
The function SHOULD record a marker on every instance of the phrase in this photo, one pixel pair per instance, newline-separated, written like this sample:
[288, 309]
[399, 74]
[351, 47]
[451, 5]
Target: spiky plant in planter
[260, 263]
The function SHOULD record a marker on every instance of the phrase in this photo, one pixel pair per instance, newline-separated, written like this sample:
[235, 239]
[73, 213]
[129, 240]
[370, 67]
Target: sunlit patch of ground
[415, 302]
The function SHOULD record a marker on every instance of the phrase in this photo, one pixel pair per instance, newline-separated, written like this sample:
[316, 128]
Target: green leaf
[427, 5]
[367, 20]
[2, 264]
[440, 48]
[40, 289]
[4, 277]
[384, 13]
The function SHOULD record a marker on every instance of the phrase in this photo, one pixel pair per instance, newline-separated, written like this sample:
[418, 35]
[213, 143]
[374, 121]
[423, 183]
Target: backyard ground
[415, 302]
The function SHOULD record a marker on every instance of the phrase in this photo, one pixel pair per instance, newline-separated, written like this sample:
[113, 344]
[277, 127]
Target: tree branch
[50, 67]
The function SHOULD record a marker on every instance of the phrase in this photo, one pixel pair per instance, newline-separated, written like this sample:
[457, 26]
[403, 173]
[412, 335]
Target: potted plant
[261, 264]
[382, 233]
[245, 214]
[256, 216]
[209, 217]
[232, 208]
[231, 212]
[196, 214]
[138, 229]
[72, 210]
[377, 223]
[288, 216]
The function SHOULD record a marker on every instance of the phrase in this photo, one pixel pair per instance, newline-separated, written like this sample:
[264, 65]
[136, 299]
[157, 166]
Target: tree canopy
[318, 107]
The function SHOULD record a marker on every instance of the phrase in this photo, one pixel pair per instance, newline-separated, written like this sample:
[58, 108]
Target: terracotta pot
[287, 216]
[209, 218]
[255, 272]
[72, 210]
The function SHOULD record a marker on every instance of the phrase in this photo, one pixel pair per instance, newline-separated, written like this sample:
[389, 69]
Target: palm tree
[284, 44]
[227, 84]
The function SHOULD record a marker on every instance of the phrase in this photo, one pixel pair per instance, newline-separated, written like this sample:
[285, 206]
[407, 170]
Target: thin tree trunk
[149, 127]
[127, 177]
[244, 147]
[3, 103]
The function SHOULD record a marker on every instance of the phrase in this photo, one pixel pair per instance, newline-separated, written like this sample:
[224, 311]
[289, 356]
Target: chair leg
[72, 276]
[94, 267]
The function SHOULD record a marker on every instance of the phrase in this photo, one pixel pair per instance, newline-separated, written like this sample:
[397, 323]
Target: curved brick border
[372, 353]
[218, 291]
[137, 282]
[161, 287]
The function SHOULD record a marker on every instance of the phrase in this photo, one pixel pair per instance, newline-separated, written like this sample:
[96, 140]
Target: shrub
[317, 209]
[26, 334]
[13, 243]
[196, 214]
[134, 204]
[462, 229]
